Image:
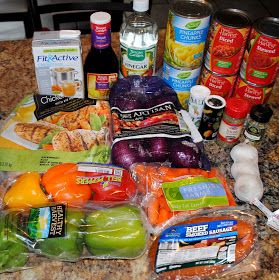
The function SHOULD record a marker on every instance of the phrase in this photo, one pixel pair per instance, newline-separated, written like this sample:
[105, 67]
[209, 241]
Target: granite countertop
[17, 78]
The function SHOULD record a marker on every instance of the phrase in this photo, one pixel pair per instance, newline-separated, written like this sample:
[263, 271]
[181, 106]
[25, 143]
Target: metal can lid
[192, 8]
[233, 18]
[237, 107]
[268, 26]
[261, 113]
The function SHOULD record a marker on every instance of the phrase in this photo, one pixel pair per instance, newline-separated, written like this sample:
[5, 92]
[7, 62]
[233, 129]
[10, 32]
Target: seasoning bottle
[232, 121]
[101, 64]
[257, 122]
[198, 93]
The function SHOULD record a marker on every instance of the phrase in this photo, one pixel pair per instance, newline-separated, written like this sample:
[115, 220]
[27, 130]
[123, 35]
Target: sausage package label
[195, 193]
[200, 244]
[47, 222]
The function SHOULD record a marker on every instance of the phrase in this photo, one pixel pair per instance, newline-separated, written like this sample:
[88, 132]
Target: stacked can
[261, 62]
[187, 28]
[227, 38]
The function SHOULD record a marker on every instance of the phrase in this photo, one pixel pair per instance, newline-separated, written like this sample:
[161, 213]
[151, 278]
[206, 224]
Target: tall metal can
[218, 84]
[187, 28]
[261, 59]
[226, 41]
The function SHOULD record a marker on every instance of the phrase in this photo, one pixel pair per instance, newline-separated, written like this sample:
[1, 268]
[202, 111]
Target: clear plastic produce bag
[69, 234]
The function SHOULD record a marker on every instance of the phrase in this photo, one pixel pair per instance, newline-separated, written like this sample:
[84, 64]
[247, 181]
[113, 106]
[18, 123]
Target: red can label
[260, 64]
[254, 94]
[218, 85]
[226, 48]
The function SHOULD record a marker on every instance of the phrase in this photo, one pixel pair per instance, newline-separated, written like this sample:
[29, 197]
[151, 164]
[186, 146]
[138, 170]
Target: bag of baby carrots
[167, 191]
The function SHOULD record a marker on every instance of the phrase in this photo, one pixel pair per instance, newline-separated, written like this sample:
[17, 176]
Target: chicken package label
[74, 125]
[160, 119]
[194, 193]
[47, 222]
[189, 245]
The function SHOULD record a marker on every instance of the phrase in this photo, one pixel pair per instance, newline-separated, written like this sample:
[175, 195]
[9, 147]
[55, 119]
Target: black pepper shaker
[256, 125]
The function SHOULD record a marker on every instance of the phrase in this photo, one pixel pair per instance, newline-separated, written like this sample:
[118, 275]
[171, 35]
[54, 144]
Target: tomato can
[226, 41]
[255, 94]
[181, 80]
[261, 59]
[218, 84]
[187, 28]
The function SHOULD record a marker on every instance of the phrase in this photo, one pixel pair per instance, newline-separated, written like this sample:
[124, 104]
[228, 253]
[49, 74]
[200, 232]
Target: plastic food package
[64, 130]
[148, 125]
[74, 184]
[167, 191]
[70, 234]
[207, 245]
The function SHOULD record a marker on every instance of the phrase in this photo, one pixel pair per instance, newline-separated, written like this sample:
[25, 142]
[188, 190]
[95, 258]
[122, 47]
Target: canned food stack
[260, 64]
[227, 38]
[186, 33]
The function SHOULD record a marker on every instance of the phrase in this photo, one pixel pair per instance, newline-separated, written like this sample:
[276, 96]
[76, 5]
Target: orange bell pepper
[60, 182]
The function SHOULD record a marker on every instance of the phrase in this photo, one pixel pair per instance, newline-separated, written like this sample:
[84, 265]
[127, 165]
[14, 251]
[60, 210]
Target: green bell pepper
[115, 232]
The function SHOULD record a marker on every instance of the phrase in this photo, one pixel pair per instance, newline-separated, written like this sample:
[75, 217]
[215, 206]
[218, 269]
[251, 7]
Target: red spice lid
[237, 107]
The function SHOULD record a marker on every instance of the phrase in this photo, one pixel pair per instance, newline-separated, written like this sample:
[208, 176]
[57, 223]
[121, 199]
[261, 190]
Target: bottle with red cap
[233, 121]
[101, 64]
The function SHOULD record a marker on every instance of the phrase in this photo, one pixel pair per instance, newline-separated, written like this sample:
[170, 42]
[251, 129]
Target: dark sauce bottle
[101, 64]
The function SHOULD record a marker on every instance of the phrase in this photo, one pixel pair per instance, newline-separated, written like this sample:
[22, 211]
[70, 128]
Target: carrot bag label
[194, 193]
[198, 244]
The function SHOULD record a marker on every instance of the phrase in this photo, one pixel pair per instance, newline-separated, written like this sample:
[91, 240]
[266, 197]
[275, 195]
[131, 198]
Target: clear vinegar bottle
[138, 42]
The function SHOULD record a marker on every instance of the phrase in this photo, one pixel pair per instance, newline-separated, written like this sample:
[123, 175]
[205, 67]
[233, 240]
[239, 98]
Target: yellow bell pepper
[26, 192]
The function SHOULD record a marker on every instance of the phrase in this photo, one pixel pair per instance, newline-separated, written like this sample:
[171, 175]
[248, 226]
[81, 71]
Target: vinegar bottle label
[137, 61]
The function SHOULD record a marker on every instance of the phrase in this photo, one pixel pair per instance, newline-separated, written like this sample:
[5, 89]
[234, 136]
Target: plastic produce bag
[205, 246]
[149, 127]
[70, 234]
[74, 184]
[168, 191]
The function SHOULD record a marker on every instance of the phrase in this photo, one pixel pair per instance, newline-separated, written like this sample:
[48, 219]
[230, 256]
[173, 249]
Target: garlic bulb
[244, 152]
[244, 167]
[248, 187]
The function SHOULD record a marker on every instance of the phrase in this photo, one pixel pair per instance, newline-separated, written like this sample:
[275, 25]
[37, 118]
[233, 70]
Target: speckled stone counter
[17, 78]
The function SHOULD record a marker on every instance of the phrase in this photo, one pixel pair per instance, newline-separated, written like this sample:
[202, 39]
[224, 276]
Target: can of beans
[211, 117]
[255, 94]
[226, 41]
[261, 59]
[218, 84]
[181, 80]
[187, 28]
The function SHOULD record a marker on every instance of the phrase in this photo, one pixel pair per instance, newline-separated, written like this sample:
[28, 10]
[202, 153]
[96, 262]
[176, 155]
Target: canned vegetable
[261, 60]
[218, 84]
[255, 94]
[226, 41]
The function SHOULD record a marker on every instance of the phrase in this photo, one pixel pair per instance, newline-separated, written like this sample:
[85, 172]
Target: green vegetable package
[70, 234]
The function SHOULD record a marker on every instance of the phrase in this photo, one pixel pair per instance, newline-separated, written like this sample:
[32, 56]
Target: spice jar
[259, 117]
[232, 121]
